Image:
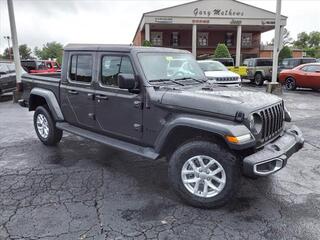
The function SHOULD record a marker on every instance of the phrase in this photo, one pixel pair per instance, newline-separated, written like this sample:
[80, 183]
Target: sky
[115, 21]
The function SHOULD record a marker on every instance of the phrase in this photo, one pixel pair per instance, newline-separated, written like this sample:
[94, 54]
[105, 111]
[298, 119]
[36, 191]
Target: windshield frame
[151, 82]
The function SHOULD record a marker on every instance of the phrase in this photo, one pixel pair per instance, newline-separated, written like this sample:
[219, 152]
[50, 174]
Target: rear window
[81, 68]
[264, 62]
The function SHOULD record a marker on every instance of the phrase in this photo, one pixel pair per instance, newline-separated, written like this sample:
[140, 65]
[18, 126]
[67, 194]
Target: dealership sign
[217, 12]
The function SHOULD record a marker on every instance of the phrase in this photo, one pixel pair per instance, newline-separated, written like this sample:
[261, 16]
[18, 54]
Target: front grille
[226, 79]
[272, 122]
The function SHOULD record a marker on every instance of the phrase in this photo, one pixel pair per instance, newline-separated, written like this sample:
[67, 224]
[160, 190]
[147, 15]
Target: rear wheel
[290, 83]
[204, 174]
[258, 79]
[45, 127]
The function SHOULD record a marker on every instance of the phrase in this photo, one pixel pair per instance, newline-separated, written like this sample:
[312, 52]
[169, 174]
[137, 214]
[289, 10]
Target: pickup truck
[229, 63]
[125, 97]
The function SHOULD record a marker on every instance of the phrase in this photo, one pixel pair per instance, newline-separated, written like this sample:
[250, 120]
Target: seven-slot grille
[272, 121]
[226, 79]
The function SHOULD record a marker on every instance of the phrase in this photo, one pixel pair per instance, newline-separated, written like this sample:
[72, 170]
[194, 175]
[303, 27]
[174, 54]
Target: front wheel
[45, 127]
[204, 174]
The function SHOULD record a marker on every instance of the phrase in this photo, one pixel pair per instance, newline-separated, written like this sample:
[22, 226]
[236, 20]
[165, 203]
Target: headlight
[255, 123]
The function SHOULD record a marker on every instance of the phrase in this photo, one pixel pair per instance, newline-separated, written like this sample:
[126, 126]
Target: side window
[313, 68]
[305, 69]
[126, 66]
[112, 66]
[81, 68]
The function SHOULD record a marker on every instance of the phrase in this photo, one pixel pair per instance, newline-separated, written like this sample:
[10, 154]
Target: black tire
[258, 79]
[54, 135]
[220, 154]
[290, 84]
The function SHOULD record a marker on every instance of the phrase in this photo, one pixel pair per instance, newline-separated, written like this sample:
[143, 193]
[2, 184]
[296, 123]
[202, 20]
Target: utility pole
[15, 47]
[9, 50]
[276, 49]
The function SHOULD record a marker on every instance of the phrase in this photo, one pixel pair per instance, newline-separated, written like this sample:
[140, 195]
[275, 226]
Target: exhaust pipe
[268, 167]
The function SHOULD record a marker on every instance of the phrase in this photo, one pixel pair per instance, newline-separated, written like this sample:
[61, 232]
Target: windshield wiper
[166, 80]
[188, 78]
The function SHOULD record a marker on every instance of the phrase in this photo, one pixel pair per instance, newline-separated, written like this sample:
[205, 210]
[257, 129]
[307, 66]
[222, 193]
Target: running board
[115, 143]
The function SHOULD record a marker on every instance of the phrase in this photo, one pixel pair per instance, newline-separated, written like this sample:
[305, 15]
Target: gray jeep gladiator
[132, 99]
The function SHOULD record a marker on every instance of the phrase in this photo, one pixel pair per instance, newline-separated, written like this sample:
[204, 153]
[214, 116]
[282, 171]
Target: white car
[216, 72]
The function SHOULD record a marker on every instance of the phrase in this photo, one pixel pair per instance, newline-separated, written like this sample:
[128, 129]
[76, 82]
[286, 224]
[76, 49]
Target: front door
[77, 93]
[118, 111]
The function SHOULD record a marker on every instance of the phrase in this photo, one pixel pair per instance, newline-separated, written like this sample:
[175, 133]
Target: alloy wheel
[203, 176]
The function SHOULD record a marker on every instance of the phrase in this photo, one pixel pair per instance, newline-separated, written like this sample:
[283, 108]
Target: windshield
[212, 66]
[172, 66]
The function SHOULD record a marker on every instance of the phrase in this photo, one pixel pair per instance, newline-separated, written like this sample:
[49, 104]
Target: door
[77, 93]
[314, 75]
[118, 111]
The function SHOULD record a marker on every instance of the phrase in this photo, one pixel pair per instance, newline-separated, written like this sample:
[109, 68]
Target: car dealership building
[200, 25]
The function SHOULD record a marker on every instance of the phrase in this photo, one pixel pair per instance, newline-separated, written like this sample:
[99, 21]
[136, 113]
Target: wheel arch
[40, 97]
[185, 128]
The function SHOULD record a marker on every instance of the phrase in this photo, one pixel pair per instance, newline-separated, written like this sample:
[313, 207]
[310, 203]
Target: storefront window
[156, 38]
[175, 39]
[246, 40]
[229, 39]
[203, 39]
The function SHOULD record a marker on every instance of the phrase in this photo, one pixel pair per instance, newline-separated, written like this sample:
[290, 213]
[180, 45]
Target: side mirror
[127, 81]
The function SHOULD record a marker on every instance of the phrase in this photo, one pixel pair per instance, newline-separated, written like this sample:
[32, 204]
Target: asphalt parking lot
[84, 190]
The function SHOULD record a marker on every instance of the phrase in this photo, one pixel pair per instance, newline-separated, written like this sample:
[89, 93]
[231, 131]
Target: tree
[25, 51]
[147, 43]
[52, 50]
[310, 43]
[286, 39]
[285, 52]
[221, 51]
[302, 40]
[8, 53]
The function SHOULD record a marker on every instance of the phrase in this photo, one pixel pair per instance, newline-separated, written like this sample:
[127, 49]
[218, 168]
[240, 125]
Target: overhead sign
[163, 19]
[217, 12]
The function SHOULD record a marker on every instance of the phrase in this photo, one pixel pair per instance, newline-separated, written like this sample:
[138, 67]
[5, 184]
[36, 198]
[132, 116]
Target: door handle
[102, 97]
[73, 92]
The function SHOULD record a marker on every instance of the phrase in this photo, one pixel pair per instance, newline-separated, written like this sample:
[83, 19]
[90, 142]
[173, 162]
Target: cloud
[106, 21]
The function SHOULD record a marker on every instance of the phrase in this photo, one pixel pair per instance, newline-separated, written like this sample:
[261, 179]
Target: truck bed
[49, 81]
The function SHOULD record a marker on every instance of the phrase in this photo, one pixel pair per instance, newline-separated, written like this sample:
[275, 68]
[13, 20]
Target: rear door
[77, 91]
[118, 111]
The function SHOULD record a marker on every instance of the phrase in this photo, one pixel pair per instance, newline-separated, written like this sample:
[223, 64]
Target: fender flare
[51, 101]
[212, 125]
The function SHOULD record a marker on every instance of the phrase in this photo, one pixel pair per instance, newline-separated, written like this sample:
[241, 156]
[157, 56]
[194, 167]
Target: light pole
[276, 49]
[9, 50]
[15, 47]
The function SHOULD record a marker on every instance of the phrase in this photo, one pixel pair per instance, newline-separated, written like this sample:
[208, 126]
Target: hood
[215, 74]
[219, 100]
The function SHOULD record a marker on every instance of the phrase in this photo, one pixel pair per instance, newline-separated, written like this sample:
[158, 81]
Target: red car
[306, 75]
[40, 66]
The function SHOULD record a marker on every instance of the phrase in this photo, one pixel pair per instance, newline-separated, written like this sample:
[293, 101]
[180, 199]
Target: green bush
[147, 43]
[221, 51]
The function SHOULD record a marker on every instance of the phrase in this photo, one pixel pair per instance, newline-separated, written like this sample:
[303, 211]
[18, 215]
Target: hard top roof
[118, 48]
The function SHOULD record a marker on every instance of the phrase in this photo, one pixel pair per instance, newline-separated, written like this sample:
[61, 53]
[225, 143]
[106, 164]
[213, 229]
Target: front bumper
[274, 156]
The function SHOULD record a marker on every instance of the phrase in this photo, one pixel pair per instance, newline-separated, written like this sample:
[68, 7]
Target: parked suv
[7, 77]
[129, 98]
[290, 63]
[259, 70]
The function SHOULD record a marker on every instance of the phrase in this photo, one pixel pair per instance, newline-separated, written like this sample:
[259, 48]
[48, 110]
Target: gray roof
[118, 48]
